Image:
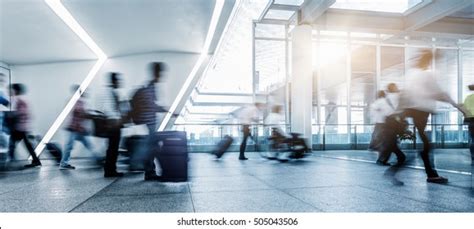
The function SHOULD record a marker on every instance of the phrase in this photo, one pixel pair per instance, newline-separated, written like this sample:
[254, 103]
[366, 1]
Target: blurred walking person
[247, 116]
[418, 101]
[111, 108]
[4, 102]
[20, 128]
[384, 138]
[468, 107]
[77, 131]
[144, 109]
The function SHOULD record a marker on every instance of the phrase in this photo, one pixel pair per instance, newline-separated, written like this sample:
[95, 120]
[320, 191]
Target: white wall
[2, 64]
[49, 85]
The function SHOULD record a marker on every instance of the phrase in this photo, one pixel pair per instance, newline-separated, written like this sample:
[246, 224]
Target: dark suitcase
[223, 146]
[3, 161]
[172, 154]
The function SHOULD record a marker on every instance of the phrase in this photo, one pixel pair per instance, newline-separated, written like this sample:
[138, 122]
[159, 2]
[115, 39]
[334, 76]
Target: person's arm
[159, 109]
[442, 96]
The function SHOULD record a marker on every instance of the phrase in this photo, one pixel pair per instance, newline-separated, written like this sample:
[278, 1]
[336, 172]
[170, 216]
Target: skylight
[389, 6]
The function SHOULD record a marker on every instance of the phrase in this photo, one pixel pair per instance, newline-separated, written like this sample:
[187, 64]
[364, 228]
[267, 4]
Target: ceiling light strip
[204, 53]
[64, 14]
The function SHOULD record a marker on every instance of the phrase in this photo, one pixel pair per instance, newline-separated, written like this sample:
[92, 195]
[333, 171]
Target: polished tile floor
[329, 181]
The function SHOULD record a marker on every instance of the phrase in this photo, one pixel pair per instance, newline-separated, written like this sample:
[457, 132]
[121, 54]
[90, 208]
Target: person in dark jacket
[144, 112]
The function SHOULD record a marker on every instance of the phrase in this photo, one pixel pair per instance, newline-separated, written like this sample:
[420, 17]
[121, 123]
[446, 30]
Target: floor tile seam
[93, 195]
[191, 197]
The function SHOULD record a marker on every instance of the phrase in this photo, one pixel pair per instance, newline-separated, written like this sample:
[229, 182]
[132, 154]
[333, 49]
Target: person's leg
[384, 156]
[82, 138]
[471, 146]
[110, 167]
[149, 161]
[420, 119]
[401, 157]
[67, 151]
[30, 148]
[384, 144]
[243, 145]
[12, 144]
[374, 140]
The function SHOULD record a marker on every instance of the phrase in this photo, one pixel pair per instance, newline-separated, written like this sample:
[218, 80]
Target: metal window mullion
[378, 68]
[433, 121]
[318, 87]
[460, 90]
[254, 89]
[348, 88]
[287, 78]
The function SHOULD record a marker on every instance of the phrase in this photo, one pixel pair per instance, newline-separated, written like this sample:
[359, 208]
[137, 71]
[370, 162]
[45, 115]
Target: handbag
[397, 124]
[10, 119]
[102, 126]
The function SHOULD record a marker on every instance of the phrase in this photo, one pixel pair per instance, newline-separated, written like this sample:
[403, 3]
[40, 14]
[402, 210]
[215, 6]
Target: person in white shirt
[384, 140]
[247, 116]
[274, 121]
[111, 108]
[418, 101]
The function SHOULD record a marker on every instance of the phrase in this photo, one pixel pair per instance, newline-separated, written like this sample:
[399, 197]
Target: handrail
[287, 124]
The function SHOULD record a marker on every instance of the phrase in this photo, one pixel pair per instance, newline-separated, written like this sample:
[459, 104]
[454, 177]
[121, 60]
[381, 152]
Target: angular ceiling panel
[32, 33]
[123, 27]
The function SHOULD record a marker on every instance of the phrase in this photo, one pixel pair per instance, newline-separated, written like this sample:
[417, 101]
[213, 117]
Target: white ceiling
[467, 12]
[123, 27]
[32, 33]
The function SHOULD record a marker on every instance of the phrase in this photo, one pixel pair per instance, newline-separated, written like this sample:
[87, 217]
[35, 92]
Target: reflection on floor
[316, 184]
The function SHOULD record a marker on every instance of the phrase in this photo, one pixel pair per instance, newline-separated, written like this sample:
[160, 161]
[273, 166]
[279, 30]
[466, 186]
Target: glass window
[392, 66]
[289, 2]
[270, 31]
[269, 64]
[363, 71]
[467, 71]
[279, 14]
[447, 73]
[231, 67]
[362, 75]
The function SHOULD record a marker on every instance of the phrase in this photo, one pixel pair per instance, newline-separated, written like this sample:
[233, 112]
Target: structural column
[302, 82]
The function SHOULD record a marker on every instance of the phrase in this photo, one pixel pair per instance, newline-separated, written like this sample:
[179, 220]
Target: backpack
[136, 108]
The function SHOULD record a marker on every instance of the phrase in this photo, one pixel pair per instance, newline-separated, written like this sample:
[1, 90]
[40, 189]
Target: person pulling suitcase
[143, 111]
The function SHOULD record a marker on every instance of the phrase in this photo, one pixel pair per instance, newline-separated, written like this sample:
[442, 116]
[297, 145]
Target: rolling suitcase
[172, 154]
[223, 146]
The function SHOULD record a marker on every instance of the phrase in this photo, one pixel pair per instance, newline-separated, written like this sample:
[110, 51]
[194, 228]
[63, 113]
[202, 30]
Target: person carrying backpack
[143, 111]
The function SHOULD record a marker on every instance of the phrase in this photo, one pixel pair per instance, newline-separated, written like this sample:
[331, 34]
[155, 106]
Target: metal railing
[203, 137]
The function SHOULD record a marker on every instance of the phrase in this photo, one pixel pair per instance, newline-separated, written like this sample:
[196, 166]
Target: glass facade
[348, 70]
